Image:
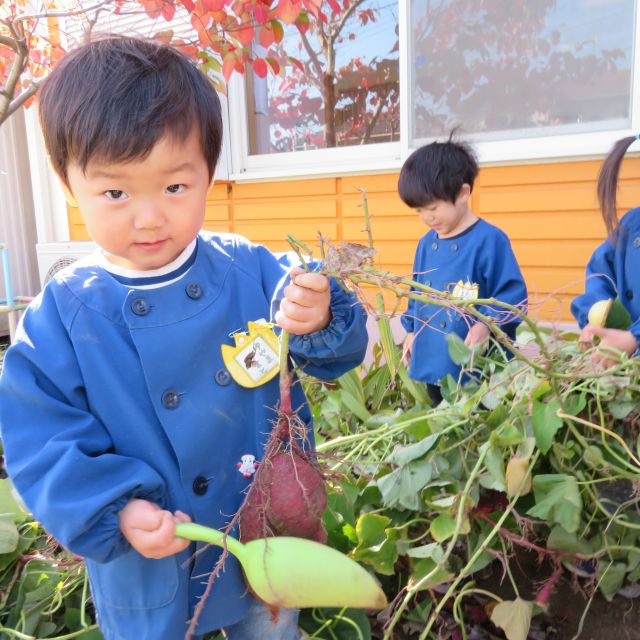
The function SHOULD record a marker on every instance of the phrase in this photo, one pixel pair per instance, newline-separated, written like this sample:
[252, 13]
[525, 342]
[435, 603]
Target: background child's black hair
[115, 97]
[437, 171]
[608, 182]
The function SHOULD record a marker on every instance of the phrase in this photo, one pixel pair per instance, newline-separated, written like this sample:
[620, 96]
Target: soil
[603, 620]
[575, 611]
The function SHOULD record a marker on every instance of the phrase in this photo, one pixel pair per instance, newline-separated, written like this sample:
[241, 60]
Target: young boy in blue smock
[119, 417]
[614, 268]
[461, 254]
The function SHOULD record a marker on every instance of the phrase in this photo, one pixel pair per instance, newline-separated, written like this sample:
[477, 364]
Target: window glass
[344, 91]
[520, 68]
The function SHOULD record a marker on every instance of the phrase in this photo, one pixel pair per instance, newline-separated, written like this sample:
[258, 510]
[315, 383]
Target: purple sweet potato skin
[288, 499]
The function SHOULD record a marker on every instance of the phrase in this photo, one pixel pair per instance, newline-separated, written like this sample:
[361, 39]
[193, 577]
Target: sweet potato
[287, 498]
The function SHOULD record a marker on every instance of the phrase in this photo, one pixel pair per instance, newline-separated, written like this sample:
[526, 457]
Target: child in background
[614, 268]
[118, 415]
[461, 254]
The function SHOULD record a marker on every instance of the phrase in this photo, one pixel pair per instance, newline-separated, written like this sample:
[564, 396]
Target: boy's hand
[406, 349]
[477, 335]
[151, 530]
[305, 307]
[608, 341]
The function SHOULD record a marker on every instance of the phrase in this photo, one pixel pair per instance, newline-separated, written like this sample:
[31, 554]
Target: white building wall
[17, 220]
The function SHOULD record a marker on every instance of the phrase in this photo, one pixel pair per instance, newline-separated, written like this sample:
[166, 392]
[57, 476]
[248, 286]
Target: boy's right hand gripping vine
[151, 530]
[306, 306]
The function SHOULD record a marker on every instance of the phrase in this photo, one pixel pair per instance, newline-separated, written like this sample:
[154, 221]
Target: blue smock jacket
[614, 270]
[111, 393]
[481, 255]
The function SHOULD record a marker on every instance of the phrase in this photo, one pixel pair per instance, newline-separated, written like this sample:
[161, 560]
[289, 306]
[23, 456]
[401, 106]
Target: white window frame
[386, 157]
[545, 148]
[353, 159]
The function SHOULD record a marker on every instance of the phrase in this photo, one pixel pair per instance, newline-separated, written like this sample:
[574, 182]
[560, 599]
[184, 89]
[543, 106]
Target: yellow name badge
[255, 357]
[465, 290]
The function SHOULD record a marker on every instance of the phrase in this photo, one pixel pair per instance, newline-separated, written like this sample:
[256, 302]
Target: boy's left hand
[305, 307]
[477, 335]
[610, 342]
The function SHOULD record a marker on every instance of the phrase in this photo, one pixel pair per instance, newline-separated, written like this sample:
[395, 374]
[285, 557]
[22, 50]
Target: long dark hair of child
[608, 183]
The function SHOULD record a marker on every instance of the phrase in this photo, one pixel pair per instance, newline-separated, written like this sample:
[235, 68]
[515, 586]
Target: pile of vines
[538, 452]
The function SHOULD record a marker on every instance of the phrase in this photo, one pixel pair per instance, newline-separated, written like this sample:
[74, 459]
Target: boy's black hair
[437, 171]
[115, 97]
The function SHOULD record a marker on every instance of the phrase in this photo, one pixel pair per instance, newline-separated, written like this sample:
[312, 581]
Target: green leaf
[575, 403]
[593, 456]
[444, 526]
[10, 501]
[494, 464]
[557, 500]
[507, 435]
[339, 510]
[610, 578]
[561, 540]
[417, 390]
[423, 567]
[402, 486]
[497, 416]
[354, 405]
[402, 455]
[376, 543]
[620, 410]
[458, 350]
[513, 617]
[9, 535]
[370, 529]
[432, 550]
[545, 423]
[352, 383]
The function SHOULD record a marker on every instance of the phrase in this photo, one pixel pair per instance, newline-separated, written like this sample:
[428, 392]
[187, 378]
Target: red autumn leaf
[213, 5]
[266, 36]
[164, 36]
[228, 65]
[189, 5]
[278, 31]
[303, 22]
[168, 11]
[296, 63]
[245, 34]
[273, 63]
[260, 67]
[288, 11]
[335, 7]
[260, 13]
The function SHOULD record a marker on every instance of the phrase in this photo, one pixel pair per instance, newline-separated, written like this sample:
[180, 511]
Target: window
[519, 69]
[340, 90]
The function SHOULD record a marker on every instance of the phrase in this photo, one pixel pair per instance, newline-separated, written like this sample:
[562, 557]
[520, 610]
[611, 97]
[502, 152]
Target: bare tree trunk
[329, 95]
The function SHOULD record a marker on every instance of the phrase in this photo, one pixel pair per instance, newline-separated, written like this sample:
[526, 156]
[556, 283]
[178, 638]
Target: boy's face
[143, 213]
[448, 219]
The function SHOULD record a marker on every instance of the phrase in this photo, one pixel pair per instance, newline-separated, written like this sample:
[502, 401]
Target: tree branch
[313, 58]
[19, 63]
[61, 14]
[16, 103]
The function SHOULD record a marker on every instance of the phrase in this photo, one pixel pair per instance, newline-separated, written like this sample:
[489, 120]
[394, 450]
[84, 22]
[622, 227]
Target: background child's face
[448, 218]
[143, 213]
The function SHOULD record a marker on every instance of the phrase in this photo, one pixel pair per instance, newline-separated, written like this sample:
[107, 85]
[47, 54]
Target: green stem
[198, 533]
[367, 217]
[479, 551]
[449, 550]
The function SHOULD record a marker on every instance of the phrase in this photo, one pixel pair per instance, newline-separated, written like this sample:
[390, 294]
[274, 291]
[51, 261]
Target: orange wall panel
[549, 211]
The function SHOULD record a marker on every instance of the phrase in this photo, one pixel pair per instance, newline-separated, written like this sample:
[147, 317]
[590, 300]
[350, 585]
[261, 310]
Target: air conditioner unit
[53, 256]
